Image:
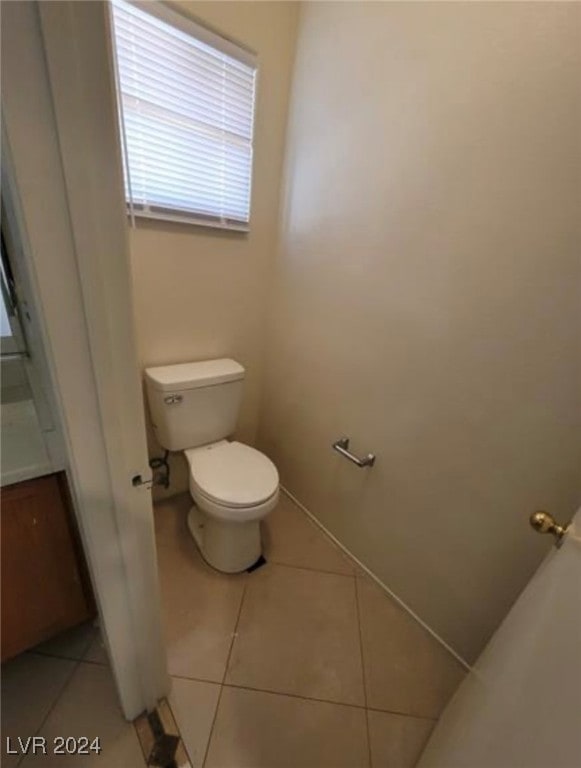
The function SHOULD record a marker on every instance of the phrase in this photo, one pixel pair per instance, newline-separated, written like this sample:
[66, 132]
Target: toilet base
[227, 546]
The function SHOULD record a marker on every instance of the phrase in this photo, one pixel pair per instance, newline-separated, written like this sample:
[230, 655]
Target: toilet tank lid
[205, 373]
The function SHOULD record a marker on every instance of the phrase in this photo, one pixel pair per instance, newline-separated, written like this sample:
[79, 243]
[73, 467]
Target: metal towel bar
[342, 447]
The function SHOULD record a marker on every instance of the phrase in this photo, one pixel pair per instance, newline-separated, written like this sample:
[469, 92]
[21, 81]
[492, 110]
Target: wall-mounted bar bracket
[342, 447]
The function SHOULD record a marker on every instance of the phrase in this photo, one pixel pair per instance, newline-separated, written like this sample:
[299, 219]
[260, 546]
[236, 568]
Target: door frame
[68, 208]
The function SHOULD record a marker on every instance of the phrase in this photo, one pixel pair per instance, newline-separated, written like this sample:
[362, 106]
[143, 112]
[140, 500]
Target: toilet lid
[232, 474]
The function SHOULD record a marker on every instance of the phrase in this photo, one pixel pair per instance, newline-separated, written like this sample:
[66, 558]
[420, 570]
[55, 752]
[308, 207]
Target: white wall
[426, 300]
[201, 293]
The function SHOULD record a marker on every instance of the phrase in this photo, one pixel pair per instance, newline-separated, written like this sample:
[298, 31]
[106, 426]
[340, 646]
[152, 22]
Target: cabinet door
[42, 586]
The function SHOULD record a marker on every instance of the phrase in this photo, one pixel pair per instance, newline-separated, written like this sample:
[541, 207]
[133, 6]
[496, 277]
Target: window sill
[197, 221]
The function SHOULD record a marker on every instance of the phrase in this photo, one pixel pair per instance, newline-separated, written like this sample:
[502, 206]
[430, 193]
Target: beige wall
[427, 294]
[200, 293]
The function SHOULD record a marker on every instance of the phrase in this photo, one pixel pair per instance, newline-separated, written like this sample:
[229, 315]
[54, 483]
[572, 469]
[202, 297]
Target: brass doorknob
[544, 522]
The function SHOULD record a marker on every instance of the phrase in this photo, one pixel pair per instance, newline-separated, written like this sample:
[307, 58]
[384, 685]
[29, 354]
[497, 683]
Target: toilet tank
[192, 404]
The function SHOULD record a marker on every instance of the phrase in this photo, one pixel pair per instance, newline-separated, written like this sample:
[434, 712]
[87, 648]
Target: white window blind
[186, 103]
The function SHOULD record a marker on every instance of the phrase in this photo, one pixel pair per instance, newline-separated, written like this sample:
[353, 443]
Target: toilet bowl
[233, 487]
[194, 408]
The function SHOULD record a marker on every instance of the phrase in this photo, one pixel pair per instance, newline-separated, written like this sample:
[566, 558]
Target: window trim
[190, 26]
[158, 213]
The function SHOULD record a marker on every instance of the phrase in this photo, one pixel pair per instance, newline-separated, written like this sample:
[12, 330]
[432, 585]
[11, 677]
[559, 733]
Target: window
[186, 114]
[12, 338]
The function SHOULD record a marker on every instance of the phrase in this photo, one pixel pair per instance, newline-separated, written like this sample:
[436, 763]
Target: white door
[60, 133]
[521, 706]
[77, 44]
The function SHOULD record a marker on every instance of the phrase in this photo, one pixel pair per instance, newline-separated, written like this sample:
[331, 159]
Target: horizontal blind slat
[162, 138]
[193, 180]
[160, 135]
[192, 149]
[218, 76]
[151, 28]
[192, 183]
[188, 85]
[188, 114]
[170, 48]
[180, 102]
[169, 200]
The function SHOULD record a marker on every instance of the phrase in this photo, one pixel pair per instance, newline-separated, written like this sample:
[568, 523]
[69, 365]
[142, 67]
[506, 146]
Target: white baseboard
[378, 581]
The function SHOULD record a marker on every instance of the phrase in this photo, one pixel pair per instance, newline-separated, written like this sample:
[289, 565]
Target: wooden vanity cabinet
[45, 587]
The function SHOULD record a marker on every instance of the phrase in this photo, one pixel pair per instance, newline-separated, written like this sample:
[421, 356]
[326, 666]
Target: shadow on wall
[425, 300]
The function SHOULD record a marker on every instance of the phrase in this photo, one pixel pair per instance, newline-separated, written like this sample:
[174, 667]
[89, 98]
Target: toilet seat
[232, 476]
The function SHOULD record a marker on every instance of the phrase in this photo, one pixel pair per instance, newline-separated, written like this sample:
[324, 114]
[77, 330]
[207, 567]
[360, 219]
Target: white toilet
[194, 407]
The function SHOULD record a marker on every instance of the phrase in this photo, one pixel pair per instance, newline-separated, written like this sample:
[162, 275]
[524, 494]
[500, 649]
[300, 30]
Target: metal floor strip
[160, 739]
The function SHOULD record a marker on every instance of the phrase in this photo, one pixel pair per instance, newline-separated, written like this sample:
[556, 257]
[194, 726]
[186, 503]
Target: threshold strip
[160, 738]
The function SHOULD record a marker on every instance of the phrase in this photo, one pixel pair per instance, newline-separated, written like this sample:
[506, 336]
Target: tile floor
[304, 663]
[64, 688]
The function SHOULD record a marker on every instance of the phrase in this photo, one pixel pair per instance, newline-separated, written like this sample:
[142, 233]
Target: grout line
[222, 684]
[212, 727]
[234, 634]
[196, 679]
[328, 701]
[311, 570]
[293, 695]
[362, 667]
[377, 580]
[405, 714]
[307, 698]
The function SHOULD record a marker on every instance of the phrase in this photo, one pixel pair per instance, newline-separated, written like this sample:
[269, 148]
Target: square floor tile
[170, 519]
[194, 705]
[298, 633]
[30, 686]
[406, 669]
[71, 644]
[89, 707]
[200, 609]
[96, 653]
[397, 741]
[264, 730]
[290, 538]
